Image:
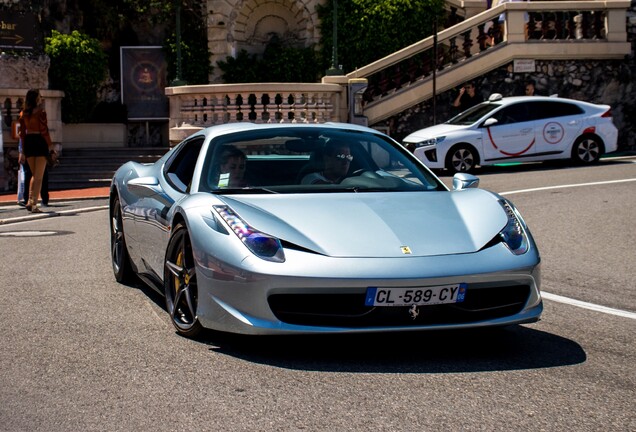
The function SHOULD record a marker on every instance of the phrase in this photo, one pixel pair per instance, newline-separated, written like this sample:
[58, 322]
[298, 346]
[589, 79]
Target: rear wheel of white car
[462, 158]
[180, 284]
[587, 150]
[119, 253]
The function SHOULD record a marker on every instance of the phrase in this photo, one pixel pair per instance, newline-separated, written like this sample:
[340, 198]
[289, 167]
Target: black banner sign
[17, 31]
[143, 83]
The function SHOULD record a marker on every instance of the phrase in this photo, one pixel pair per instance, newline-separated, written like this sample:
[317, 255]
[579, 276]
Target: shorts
[35, 145]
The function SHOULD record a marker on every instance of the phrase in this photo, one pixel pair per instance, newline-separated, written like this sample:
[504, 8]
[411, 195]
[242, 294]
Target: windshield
[473, 114]
[310, 160]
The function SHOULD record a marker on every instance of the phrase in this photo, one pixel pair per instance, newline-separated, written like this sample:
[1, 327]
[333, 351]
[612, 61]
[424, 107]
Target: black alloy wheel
[122, 267]
[180, 284]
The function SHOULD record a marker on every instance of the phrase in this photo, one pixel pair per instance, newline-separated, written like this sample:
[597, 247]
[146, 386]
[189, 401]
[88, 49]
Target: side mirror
[463, 181]
[489, 122]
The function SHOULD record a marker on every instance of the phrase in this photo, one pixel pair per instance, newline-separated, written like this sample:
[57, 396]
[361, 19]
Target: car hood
[433, 132]
[377, 224]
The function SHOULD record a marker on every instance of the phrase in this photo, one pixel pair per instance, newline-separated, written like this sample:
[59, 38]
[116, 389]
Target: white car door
[559, 124]
[512, 137]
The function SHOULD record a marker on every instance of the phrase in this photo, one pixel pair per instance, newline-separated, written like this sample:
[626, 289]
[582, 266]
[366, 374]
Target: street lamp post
[435, 70]
[177, 80]
[335, 68]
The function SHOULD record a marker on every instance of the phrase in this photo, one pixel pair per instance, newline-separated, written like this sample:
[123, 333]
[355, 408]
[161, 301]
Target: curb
[45, 215]
[14, 200]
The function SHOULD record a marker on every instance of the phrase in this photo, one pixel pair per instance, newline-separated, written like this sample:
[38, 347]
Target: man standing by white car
[467, 97]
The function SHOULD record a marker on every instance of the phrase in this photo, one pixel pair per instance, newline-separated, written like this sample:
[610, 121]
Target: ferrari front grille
[349, 310]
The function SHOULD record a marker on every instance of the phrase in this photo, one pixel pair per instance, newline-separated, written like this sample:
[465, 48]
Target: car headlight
[429, 142]
[514, 233]
[260, 244]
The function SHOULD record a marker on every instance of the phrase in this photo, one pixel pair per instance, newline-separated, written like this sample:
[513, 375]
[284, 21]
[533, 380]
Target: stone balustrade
[195, 107]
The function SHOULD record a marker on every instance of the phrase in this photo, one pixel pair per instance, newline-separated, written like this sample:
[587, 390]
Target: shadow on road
[531, 167]
[475, 350]
[510, 348]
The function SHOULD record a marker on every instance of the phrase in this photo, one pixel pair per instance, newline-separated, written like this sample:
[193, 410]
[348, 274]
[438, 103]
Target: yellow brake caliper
[177, 281]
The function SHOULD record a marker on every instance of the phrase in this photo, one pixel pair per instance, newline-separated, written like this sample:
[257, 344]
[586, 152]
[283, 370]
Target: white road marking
[629, 158]
[27, 233]
[567, 300]
[566, 186]
[590, 306]
[46, 214]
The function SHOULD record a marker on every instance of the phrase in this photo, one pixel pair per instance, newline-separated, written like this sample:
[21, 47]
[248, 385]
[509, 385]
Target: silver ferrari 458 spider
[322, 228]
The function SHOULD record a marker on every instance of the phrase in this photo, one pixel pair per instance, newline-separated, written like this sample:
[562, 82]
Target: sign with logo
[17, 31]
[143, 83]
[553, 132]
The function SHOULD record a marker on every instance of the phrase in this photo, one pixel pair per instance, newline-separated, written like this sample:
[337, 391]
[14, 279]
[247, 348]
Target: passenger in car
[231, 170]
[335, 164]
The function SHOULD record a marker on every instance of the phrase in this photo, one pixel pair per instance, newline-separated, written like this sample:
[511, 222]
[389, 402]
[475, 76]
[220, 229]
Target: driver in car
[335, 164]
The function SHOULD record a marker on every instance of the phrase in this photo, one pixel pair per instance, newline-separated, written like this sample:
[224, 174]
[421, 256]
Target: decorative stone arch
[235, 25]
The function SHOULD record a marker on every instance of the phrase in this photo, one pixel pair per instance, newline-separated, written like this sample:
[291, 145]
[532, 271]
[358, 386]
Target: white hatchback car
[517, 129]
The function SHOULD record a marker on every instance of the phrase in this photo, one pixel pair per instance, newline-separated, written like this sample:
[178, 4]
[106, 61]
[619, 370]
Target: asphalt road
[82, 352]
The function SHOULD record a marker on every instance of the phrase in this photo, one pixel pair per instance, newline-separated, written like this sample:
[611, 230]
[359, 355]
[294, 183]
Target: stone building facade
[235, 25]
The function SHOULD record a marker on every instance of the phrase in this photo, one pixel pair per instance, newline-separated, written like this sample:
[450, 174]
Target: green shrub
[196, 66]
[279, 63]
[78, 66]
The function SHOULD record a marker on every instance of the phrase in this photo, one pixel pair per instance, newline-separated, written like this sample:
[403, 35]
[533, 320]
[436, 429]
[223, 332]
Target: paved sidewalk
[61, 203]
[61, 195]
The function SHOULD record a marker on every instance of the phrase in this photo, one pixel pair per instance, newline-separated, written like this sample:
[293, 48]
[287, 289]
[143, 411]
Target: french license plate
[419, 296]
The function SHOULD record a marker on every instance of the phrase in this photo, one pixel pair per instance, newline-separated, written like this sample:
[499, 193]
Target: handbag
[21, 184]
[51, 159]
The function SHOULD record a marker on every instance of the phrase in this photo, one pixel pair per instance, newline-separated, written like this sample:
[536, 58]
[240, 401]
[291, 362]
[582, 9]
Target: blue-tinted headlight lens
[260, 244]
[514, 234]
[263, 245]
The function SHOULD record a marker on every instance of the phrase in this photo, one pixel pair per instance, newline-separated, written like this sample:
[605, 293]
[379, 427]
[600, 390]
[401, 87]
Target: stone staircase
[94, 167]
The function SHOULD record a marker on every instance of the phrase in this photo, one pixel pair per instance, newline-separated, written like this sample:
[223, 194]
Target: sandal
[36, 210]
[28, 207]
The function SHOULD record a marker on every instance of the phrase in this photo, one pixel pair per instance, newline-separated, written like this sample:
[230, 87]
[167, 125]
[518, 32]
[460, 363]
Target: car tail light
[607, 113]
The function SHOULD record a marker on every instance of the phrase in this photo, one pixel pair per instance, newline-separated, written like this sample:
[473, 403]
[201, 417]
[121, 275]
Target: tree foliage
[78, 66]
[279, 63]
[117, 23]
[367, 31]
[196, 66]
[371, 29]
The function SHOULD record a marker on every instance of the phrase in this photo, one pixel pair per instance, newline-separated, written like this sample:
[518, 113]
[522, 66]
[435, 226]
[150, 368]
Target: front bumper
[430, 156]
[329, 297]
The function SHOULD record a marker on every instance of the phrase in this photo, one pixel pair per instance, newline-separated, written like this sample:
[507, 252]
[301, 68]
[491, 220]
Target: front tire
[122, 268]
[180, 284]
[587, 150]
[462, 159]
